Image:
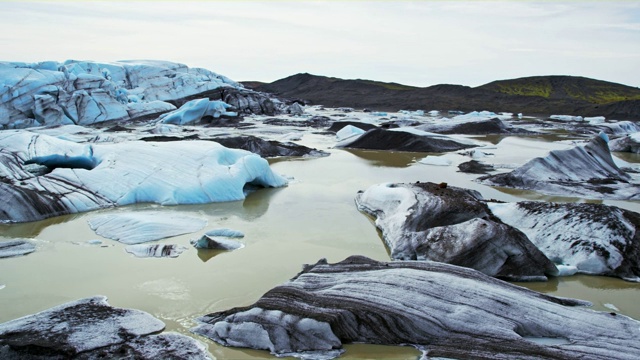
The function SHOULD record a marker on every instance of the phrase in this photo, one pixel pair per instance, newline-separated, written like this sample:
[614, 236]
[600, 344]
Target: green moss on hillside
[526, 89]
[566, 88]
[601, 94]
[388, 86]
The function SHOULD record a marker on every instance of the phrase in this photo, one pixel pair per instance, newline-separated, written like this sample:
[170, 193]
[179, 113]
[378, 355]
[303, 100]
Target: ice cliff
[87, 92]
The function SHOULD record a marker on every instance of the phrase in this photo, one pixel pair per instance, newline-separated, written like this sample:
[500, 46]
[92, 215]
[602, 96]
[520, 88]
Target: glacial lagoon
[314, 217]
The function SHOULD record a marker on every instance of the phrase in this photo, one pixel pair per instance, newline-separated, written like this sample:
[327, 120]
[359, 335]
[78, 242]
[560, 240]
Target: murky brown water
[314, 217]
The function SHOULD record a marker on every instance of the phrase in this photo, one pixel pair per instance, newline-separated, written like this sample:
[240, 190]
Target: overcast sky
[418, 43]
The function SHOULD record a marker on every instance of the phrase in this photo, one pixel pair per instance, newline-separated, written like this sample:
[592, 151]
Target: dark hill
[566, 87]
[540, 95]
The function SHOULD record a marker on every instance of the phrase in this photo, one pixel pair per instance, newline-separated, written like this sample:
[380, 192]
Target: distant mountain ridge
[536, 95]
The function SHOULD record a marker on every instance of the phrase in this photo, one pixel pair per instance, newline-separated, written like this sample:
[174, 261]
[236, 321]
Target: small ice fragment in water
[611, 306]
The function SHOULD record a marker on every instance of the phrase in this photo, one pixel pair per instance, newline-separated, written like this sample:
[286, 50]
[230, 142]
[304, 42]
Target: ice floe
[16, 247]
[445, 310]
[475, 167]
[143, 226]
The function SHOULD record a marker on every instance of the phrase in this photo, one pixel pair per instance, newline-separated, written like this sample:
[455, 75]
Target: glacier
[87, 92]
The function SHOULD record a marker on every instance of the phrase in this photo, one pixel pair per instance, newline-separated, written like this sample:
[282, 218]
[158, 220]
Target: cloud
[413, 42]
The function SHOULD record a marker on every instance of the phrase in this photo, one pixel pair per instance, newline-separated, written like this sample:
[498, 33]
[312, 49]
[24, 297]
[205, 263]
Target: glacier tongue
[86, 92]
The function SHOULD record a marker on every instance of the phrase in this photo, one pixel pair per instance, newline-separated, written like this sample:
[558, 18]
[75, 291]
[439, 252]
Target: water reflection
[553, 136]
[605, 293]
[208, 254]
[628, 157]
[33, 229]
[254, 206]
[601, 282]
[395, 159]
[533, 195]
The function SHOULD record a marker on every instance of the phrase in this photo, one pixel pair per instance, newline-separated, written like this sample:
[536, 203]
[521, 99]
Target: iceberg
[594, 120]
[218, 239]
[629, 143]
[620, 127]
[91, 329]
[194, 110]
[84, 177]
[587, 171]
[447, 311]
[348, 132]
[437, 222]
[404, 139]
[269, 148]
[482, 115]
[226, 233]
[470, 126]
[216, 243]
[580, 238]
